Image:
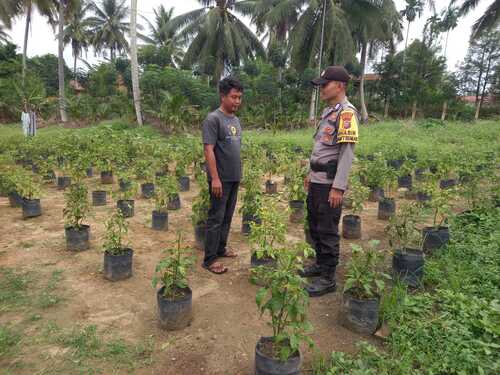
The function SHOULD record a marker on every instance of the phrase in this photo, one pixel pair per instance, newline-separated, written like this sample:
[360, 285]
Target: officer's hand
[335, 197]
[217, 188]
[307, 182]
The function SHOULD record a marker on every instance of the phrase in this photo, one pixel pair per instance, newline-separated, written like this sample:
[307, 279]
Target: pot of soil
[159, 220]
[297, 211]
[107, 177]
[360, 315]
[124, 185]
[63, 182]
[423, 197]
[200, 233]
[347, 203]
[265, 262]
[386, 208]
[405, 181]
[307, 236]
[246, 221]
[448, 183]
[376, 194]
[408, 266]
[410, 194]
[465, 178]
[147, 190]
[184, 183]
[49, 177]
[395, 163]
[77, 239]
[267, 360]
[119, 266]
[420, 174]
[175, 312]
[351, 227]
[434, 238]
[90, 172]
[174, 203]
[126, 207]
[15, 199]
[271, 187]
[99, 198]
[31, 208]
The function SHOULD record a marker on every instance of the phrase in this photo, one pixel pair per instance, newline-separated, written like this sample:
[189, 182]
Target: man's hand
[307, 182]
[217, 188]
[335, 197]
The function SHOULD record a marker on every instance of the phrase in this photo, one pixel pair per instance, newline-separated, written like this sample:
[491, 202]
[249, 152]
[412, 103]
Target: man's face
[331, 90]
[232, 101]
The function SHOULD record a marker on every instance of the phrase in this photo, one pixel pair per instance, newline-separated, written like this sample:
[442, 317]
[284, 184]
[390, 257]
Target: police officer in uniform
[330, 164]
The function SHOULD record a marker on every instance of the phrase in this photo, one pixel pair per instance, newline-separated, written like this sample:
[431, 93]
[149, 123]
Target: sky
[42, 38]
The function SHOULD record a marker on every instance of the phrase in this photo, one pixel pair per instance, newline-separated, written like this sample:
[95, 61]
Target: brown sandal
[216, 267]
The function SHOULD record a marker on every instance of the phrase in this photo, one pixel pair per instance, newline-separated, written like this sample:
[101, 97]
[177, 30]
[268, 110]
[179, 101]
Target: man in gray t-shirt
[221, 135]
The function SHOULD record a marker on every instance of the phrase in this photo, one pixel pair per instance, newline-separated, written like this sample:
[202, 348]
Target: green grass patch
[21, 290]
[451, 325]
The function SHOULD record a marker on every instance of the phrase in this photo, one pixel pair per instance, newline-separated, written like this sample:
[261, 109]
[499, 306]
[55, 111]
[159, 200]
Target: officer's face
[232, 101]
[331, 90]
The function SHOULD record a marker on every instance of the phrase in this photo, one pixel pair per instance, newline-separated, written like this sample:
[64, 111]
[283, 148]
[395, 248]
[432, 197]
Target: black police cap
[332, 73]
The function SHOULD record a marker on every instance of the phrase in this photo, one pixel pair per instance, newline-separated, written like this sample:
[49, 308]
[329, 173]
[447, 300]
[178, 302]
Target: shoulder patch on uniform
[348, 127]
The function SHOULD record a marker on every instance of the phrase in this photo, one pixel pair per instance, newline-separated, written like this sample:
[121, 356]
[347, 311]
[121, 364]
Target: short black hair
[228, 83]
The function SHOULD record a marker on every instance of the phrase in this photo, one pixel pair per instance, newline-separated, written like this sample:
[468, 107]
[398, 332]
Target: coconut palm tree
[77, 32]
[133, 62]
[109, 26]
[373, 28]
[13, 8]
[275, 17]
[449, 20]
[217, 38]
[8, 10]
[487, 21]
[62, 9]
[162, 35]
[4, 38]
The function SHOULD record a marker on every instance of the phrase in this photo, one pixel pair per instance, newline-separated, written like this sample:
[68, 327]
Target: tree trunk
[312, 108]
[406, 42]
[386, 108]
[445, 110]
[414, 110]
[60, 63]
[25, 44]
[485, 82]
[75, 77]
[364, 112]
[478, 86]
[134, 63]
[446, 43]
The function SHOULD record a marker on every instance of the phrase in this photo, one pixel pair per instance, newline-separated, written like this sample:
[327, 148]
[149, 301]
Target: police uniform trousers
[323, 223]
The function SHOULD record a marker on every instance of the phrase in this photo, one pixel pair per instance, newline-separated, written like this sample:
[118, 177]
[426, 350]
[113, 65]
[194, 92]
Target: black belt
[330, 168]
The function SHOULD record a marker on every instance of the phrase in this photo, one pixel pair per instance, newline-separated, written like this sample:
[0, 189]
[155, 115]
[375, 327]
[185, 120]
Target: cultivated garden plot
[100, 237]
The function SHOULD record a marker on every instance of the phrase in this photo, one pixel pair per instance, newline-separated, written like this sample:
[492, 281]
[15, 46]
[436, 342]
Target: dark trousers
[219, 219]
[323, 223]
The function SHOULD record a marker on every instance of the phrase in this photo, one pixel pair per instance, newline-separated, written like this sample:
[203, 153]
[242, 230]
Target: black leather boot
[321, 285]
[311, 271]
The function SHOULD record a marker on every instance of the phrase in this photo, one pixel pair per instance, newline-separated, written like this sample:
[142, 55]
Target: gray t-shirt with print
[224, 132]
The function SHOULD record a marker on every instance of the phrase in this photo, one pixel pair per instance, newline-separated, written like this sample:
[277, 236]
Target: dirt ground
[226, 325]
